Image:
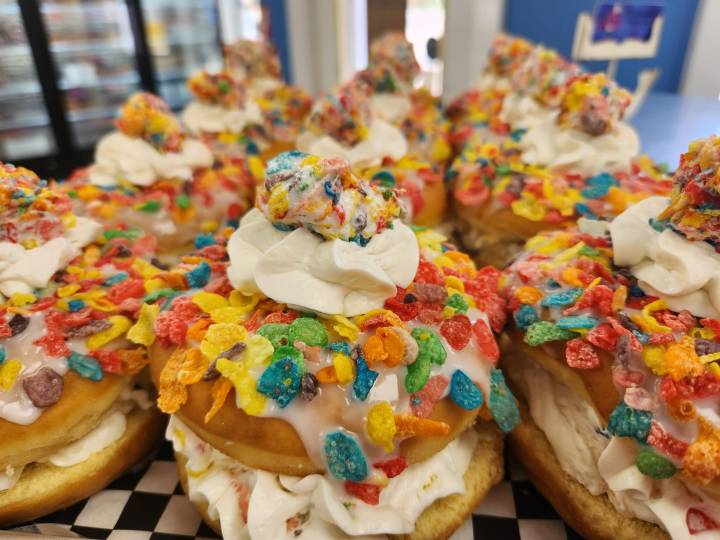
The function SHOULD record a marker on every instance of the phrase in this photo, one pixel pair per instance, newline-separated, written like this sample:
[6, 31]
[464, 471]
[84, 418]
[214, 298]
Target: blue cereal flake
[525, 316]
[2, 354]
[117, 278]
[584, 210]
[75, 305]
[577, 321]
[85, 366]
[562, 298]
[340, 346]
[332, 190]
[628, 422]
[544, 331]
[204, 240]
[345, 459]
[199, 276]
[364, 379]
[502, 404]
[464, 392]
[283, 162]
[384, 178]
[280, 381]
[598, 186]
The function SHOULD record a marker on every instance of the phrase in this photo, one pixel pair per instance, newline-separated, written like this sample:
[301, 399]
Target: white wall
[701, 76]
[470, 27]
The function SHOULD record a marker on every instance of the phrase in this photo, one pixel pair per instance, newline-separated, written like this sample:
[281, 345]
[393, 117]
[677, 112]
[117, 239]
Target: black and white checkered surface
[149, 504]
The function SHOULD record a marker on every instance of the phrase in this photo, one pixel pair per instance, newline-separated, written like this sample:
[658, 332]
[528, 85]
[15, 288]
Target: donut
[613, 349]
[152, 175]
[351, 371]
[256, 63]
[71, 420]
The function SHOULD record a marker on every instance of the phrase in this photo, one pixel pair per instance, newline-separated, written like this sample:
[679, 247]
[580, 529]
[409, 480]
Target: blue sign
[618, 21]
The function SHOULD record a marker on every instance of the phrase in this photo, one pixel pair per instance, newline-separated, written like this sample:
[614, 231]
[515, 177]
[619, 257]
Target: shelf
[19, 89]
[93, 114]
[90, 46]
[110, 80]
[24, 123]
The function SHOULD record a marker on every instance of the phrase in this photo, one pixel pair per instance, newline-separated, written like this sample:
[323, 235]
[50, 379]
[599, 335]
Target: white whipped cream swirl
[205, 118]
[119, 157]
[384, 140]
[523, 111]
[273, 499]
[392, 108]
[333, 277]
[23, 270]
[683, 273]
[556, 147]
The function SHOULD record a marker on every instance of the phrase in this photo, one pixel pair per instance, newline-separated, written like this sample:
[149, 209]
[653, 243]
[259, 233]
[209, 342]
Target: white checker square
[161, 477]
[103, 509]
[179, 517]
[129, 535]
[498, 503]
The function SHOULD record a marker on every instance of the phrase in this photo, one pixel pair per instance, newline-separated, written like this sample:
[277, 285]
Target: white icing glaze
[384, 140]
[555, 147]
[24, 270]
[205, 118]
[683, 273]
[523, 111]
[119, 157]
[273, 499]
[608, 466]
[392, 108]
[110, 429]
[326, 276]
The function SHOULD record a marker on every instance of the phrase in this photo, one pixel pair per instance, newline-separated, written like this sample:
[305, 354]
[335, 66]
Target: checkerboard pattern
[148, 504]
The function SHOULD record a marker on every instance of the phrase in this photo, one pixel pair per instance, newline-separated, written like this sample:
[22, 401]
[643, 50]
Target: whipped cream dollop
[555, 147]
[207, 118]
[390, 107]
[333, 277]
[24, 270]
[119, 157]
[383, 140]
[609, 466]
[523, 111]
[275, 506]
[683, 273]
[492, 81]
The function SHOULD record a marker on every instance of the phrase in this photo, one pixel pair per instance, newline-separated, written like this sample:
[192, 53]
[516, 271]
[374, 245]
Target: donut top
[343, 115]
[146, 116]
[489, 173]
[506, 53]
[217, 89]
[382, 78]
[566, 288]
[426, 128]
[694, 210]
[544, 74]
[593, 103]
[70, 297]
[394, 50]
[352, 388]
[325, 197]
[252, 59]
[284, 110]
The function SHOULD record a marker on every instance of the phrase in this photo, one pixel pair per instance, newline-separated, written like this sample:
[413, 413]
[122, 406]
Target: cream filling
[122, 158]
[683, 273]
[393, 108]
[318, 505]
[608, 466]
[384, 140]
[555, 147]
[300, 269]
[23, 270]
[205, 118]
[110, 429]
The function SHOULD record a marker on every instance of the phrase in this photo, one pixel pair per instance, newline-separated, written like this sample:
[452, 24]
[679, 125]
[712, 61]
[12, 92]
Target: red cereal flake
[635, 344]
[657, 338]
[669, 319]
[627, 378]
[603, 336]
[698, 522]
[253, 323]
[214, 252]
[145, 245]
[423, 401]
[43, 304]
[375, 321]
[666, 443]
[457, 331]
[486, 341]
[368, 493]
[5, 331]
[579, 354]
[406, 312]
[53, 343]
[392, 467]
[599, 298]
[699, 387]
[427, 272]
[283, 317]
[221, 286]
[110, 361]
[78, 318]
[130, 288]
[496, 309]
[430, 316]
[713, 324]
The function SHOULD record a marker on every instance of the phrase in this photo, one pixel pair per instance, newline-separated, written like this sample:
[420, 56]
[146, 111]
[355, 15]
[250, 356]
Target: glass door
[92, 45]
[25, 130]
[183, 37]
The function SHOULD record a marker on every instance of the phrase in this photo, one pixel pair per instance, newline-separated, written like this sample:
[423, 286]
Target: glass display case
[183, 37]
[93, 50]
[24, 123]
